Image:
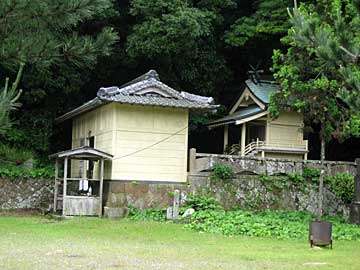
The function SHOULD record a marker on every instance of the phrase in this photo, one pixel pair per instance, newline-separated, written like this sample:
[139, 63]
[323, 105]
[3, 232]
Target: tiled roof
[262, 89]
[135, 92]
[241, 114]
[130, 95]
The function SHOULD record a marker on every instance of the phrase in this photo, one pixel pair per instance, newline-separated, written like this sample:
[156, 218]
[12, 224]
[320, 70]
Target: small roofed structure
[144, 124]
[250, 131]
[83, 203]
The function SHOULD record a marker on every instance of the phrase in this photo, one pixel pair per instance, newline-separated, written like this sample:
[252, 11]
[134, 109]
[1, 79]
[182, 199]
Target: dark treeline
[201, 46]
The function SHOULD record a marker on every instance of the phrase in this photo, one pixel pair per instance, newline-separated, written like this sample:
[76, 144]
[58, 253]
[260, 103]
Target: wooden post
[307, 149]
[192, 160]
[357, 181]
[65, 183]
[56, 187]
[243, 139]
[176, 205]
[101, 185]
[355, 206]
[226, 137]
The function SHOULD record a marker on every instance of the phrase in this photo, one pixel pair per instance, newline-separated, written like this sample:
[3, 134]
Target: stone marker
[169, 213]
[176, 205]
[188, 212]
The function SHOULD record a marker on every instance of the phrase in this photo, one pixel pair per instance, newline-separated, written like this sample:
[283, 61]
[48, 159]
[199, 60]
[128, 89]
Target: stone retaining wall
[25, 193]
[199, 162]
[245, 190]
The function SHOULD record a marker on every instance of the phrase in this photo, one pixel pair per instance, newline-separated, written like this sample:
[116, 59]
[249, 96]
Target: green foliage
[49, 37]
[319, 69]
[279, 224]
[201, 203]
[15, 172]
[311, 174]
[269, 19]
[222, 172]
[150, 214]
[182, 35]
[342, 184]
[15, 156]
[8, 101]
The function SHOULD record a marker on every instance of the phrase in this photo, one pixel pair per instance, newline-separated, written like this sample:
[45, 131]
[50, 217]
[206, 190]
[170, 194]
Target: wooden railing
[261, 145]
[252, 147]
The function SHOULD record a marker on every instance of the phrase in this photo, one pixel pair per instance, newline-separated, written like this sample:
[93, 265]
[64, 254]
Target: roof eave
[90, 105]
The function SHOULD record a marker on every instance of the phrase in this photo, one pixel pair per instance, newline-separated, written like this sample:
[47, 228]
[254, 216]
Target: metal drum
[320, 233]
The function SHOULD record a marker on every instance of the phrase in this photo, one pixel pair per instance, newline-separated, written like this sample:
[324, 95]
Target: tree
[317, 74]
[269, 20]
[50, 38]
[8, 100]
[182, 38]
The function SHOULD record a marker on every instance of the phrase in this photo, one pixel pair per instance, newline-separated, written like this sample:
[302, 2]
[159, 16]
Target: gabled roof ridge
[150, 74]
[138, 86]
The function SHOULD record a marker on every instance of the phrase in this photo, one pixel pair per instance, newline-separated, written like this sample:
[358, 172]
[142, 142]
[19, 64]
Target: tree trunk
[322, 174]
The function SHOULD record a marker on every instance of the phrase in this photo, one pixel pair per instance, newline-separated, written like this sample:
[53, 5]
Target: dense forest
[69, 49]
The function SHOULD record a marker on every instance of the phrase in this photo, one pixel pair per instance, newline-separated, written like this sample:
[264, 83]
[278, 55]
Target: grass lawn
[92, 243]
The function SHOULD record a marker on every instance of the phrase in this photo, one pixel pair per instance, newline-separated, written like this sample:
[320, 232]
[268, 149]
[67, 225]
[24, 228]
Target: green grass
[92, 243]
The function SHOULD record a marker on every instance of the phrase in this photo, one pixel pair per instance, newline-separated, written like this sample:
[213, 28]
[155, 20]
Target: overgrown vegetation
[342, 184]
[279, 224]
[210, 217]
[222, 172]
[14, 172]
[14, 156]
[12, 164]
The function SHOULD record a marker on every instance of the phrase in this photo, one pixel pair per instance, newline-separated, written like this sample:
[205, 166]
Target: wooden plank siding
[125, 130]
[286, 129]
[162, 132]
[99, 122]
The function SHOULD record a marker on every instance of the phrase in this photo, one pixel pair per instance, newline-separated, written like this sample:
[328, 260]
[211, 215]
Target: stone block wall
[265, 166]
[25, 193]
[251, 192]
[140, 195]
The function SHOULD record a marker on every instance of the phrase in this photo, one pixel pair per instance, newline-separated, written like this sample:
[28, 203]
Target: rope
[149, 146]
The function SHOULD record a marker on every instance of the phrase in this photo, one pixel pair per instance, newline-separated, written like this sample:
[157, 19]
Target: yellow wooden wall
[286, 130]
[100, 122]
[140, 127]
[123, 130]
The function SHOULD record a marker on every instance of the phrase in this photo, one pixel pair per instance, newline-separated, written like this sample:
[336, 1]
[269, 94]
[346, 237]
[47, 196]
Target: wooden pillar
[243, 139]
[65, 184]
[101, 186]
[192, 160]
[56, 187]
[226, 137]
[307, 149]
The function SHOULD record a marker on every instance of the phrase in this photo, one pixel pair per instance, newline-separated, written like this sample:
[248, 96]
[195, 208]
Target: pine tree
[319, 74]
[45, 35]
[8, 100]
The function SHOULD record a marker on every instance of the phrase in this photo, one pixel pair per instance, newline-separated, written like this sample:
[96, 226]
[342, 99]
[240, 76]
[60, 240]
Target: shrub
[222, 172]
[15, 156]
[311, 174]
[342, 184]
[13, 172]
[150, 214]
[201, 202]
